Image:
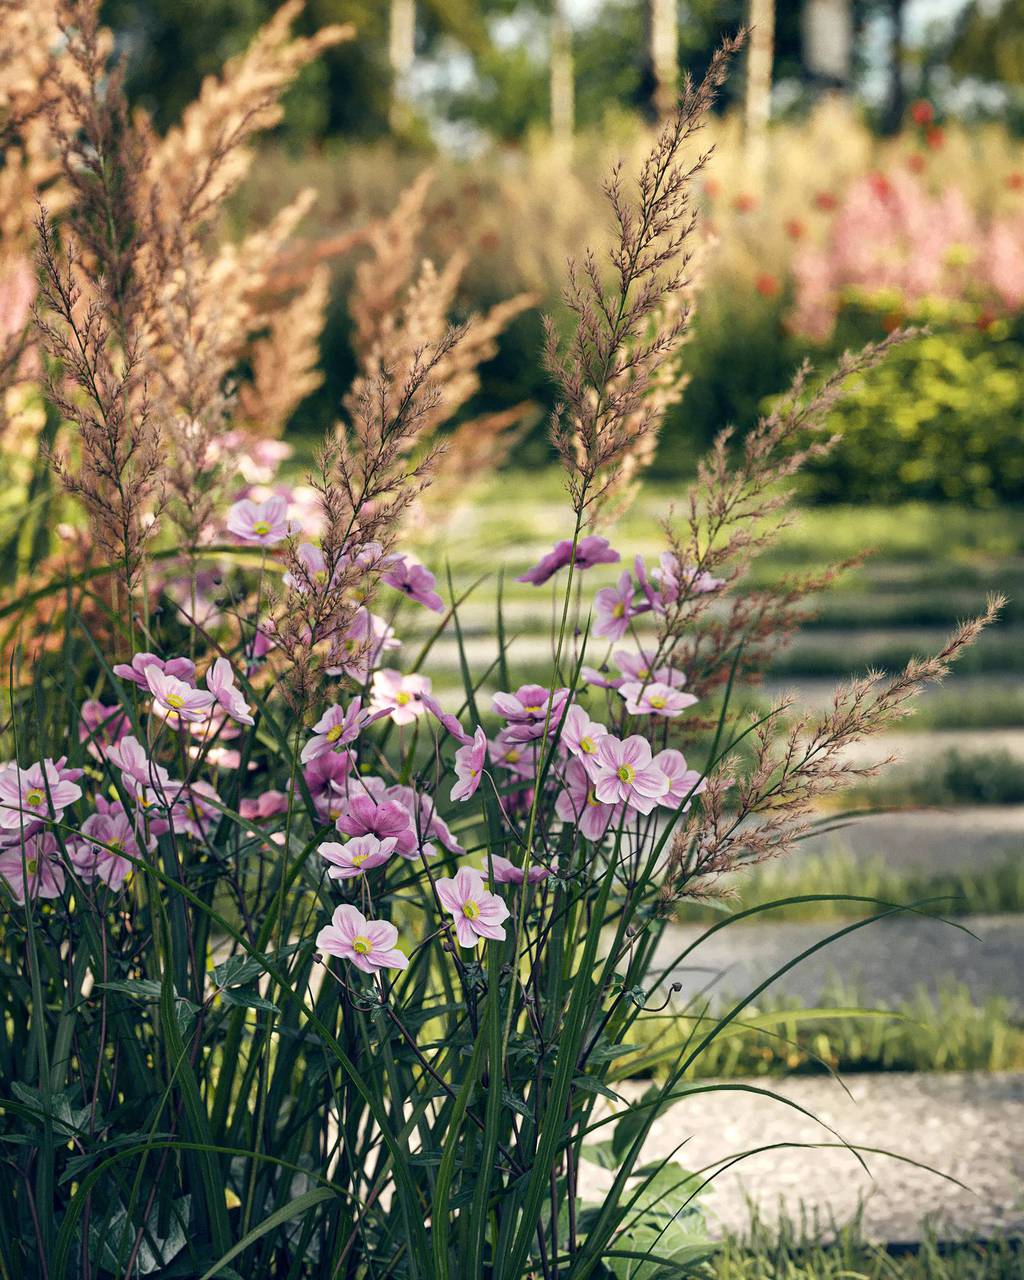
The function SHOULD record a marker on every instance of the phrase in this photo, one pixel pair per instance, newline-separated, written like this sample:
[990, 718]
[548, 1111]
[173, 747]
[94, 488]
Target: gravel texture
[968, 1126]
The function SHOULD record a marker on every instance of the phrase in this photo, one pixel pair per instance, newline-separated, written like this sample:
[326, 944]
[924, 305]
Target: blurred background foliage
[888, 119]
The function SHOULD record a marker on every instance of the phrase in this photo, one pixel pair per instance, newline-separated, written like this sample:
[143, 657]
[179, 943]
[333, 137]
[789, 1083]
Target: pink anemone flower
[327, 777]
[368, 944]
[362, 853]
[32, 869]
[42, 791]
[262, 524]
[623, 772]
[135, 671]
[655, 699]
[401, 696]
[614, 608]
[677, 581]
[416, 582]
[578, 804]
[505, 872]
[359, 649]
[175, 698]
[469, 764]
[641, 666]
[590, 550]
[220, 680]
[424, 817]
[580, 734]
[337, 727]
[446, 719]
[476, 911]
[269, 804]
[384, 820]
[527, 710]
[683, 783]
[100, 726]
[100, 858]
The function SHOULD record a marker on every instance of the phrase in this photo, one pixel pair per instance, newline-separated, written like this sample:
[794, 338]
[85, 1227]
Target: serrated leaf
[139, 988]
[516, 1103]
[602, 1154]
[665, 1231]
[589, 1085]
[249, 1000]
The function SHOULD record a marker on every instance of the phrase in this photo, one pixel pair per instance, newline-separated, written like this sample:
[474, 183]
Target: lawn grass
[949, 1032]
[809, 1251]
[991, 890]
[954, 778]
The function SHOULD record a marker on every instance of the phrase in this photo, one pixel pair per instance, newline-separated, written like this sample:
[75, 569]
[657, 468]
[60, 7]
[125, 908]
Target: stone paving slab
[967, 1125]
[887, 961]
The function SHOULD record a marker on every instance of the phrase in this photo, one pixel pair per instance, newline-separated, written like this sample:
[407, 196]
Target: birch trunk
[563, 94]
[664, 21]
[758, 97]
[401, 52]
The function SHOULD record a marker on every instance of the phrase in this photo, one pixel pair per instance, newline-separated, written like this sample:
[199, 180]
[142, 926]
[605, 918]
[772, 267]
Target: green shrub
[940, 419]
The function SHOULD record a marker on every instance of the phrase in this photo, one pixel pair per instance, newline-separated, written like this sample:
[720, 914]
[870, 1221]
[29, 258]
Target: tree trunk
[827, 30]
[563, 89]
[896, 104]
[401, 52]
[664, 21]
[758, 98]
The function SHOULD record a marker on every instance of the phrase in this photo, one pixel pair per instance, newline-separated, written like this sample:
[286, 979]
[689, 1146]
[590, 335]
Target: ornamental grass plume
[316, 969]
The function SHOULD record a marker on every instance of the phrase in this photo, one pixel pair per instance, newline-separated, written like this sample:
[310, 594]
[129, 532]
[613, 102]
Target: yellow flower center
[359, 858]
[402, 699]
[513, 757]
[533, 711]
[32, 866]
[116, 846]
[656, 700]
[362, 946]
[592, 799]
[320, 575]
[625, 773]
[588, 746]
[334, 733]
[644, 672]
[470, 910]
[34, 797]
[261, 527]
[618, 610]
[175, 700]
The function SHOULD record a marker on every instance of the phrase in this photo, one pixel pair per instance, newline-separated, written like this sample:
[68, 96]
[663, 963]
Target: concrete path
[968, 1126]
[888, 961]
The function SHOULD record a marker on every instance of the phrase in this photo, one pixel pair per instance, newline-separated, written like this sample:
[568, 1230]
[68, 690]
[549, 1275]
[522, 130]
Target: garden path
[966, 1125]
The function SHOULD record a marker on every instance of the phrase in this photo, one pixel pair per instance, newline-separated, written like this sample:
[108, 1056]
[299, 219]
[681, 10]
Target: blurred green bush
[939, 419]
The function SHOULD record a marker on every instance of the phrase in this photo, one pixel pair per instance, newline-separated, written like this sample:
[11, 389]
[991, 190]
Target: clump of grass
[955, 777]
[985, 707]
[988, 890]
[947, 1033]
[805, 1250]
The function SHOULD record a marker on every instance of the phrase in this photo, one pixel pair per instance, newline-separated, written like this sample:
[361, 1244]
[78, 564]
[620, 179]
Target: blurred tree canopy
[171, 45]
[988, 43]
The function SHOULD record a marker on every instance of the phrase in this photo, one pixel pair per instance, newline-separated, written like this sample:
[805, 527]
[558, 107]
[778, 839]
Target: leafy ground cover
[950, 1033]
[807, 1251]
